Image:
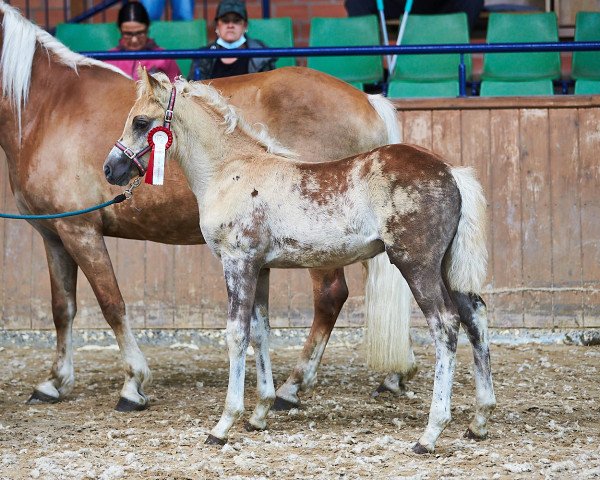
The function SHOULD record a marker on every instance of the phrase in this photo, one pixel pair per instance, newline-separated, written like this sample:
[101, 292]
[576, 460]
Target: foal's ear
[149, 84]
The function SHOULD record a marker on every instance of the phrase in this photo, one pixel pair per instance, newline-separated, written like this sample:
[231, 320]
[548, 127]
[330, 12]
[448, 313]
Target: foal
[262, 211]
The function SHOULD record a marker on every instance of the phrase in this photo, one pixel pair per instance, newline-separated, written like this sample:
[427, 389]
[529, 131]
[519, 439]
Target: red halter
[166, 127]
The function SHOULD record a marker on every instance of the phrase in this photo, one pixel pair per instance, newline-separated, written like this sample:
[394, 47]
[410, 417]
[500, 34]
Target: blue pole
[462, 76]
[266, 8]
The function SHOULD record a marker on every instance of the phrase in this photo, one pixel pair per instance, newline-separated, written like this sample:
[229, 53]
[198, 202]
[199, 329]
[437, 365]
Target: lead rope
[126, 195]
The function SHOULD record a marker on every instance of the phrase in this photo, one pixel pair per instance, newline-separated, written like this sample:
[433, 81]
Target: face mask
[238, 43]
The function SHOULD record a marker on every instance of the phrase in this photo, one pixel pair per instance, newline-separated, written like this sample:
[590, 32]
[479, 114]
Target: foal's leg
[241, 280]
[259, 336]
[86, 245]
[473, 316]
[442, 318]
[329, 294]
[63, 283]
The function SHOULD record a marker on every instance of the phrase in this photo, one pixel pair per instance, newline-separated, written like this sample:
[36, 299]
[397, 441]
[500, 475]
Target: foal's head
[128, 158]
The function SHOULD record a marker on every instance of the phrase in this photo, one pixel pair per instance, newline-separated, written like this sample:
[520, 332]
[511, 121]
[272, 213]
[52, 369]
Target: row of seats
[174, 35]
[433, 75]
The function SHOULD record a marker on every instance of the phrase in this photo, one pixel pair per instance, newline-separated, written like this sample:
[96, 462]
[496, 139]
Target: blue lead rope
[118, 199]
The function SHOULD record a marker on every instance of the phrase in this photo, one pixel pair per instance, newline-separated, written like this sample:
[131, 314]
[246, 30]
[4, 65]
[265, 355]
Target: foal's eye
[141, 122]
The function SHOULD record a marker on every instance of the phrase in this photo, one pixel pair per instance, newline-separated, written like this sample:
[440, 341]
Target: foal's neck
[206, 147]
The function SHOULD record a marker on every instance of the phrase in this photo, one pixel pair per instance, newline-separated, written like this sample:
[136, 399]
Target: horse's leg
[473, 316]
[443, 320]
[63, 283]
[241, 280]
[86, 245]
[259, 336]
[393, 383]
[387, 322]
[329, 294]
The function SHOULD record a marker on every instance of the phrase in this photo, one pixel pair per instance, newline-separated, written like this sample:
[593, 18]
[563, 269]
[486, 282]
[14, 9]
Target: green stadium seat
[491, 88]
[88, 37]
[275, 33]
[180, 35]
[401, 89]
[518, 69]
[584, 86]
[430, 75]
[351, 31]
[585, 68]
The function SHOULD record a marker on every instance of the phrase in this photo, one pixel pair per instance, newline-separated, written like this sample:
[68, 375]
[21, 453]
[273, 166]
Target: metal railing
[461, 49]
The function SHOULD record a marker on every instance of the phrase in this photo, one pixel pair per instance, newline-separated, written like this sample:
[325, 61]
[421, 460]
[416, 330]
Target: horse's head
[128, 158]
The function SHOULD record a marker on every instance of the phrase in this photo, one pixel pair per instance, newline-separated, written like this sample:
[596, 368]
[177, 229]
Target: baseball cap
[232, 6]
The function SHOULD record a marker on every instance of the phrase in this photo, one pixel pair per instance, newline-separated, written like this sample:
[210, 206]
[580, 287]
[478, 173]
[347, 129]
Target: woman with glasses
[134, 22]
[231, 27]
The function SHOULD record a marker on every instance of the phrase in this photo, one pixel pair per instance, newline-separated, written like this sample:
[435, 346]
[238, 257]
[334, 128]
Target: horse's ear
[148, 82]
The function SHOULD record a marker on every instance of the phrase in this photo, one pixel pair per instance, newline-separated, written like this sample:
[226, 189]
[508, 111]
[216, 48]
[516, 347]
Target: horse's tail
[466, 263]
[387, 111]
[387, 296]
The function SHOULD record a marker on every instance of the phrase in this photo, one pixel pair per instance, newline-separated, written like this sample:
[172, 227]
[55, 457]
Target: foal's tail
[467, 260]
[387, 296]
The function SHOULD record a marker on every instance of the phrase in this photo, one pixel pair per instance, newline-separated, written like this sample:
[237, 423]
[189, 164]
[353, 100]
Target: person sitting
[231, 26]
[133, 22]
[395, 8]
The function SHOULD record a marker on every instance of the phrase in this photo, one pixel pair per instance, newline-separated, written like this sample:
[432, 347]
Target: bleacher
[414, 76]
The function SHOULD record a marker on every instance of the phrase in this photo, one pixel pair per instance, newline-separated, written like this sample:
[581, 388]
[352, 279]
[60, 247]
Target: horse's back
[319, 116]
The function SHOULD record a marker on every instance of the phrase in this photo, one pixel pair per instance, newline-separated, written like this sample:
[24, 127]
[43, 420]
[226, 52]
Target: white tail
[467, 263]
[387, 296]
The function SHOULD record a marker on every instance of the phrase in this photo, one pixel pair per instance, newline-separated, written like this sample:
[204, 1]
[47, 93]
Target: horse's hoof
[420, 449]
[281, 404]
[473, 436]
[40, 397]
[126, 405]
[252, 428]
[381, 389]
[212, 440]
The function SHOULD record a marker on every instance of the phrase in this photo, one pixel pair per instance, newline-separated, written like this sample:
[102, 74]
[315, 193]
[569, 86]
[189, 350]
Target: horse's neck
[46, 85]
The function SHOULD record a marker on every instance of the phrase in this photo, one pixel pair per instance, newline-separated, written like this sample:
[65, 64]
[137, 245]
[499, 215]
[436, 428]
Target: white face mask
[238, 43]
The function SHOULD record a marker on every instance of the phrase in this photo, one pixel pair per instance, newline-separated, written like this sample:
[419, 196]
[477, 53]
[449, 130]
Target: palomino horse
[263, 211]
[60, 113]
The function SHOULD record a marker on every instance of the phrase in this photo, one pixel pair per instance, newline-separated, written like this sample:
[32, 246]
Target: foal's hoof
[281, 404]
[126, 405]
[420, 449]
[473, 436]
[38, 397]
[212, 440]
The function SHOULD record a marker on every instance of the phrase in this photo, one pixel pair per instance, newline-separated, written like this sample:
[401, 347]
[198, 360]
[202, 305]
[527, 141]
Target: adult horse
[60, 112]
[262, 211]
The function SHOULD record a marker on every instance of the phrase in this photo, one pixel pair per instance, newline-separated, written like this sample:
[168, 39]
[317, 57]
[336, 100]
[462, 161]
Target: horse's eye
[141, 123]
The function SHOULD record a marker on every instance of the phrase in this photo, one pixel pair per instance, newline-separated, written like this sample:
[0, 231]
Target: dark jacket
[204, 66]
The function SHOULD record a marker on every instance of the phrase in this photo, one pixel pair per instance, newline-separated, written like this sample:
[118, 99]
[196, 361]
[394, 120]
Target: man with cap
[231, 26]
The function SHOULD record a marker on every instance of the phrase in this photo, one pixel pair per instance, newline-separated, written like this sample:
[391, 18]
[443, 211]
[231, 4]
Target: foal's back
[301, 214]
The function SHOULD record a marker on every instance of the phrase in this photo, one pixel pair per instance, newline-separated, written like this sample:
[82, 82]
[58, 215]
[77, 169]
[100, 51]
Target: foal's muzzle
[117, 168]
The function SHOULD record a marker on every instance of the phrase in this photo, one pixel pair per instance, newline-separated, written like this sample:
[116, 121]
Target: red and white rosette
[159, 139]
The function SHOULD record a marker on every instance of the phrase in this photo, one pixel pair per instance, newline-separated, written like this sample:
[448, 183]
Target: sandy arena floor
[547, 424]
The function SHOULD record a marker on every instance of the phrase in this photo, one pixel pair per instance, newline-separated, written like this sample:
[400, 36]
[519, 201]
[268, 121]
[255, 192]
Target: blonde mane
[231, 117]
[20, 38]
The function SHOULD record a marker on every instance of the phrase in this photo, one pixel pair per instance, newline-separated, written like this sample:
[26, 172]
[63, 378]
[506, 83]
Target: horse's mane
[20, 38]
[231, 117]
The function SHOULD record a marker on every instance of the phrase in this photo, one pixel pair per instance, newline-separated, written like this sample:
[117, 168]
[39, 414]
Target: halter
[166, 127]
